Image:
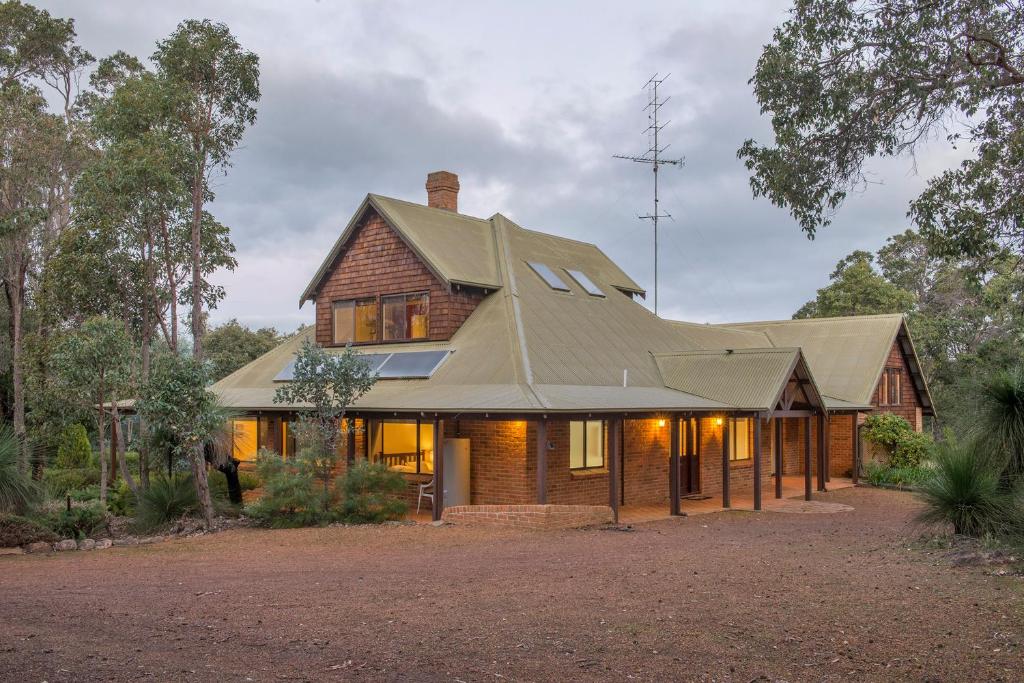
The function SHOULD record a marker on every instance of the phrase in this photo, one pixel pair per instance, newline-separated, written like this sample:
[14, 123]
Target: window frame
[419, 425]
[604, 447]
[404, 296]
[733, 431]
[890, 389]
[378, 305]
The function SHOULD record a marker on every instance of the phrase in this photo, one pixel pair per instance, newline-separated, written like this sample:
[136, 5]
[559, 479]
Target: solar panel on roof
[374, 360]
[549, 276]
[585, 282]
[412, 364]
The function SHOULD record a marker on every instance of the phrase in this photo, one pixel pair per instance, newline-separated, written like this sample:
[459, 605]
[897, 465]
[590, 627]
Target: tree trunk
[148, 311]
[197, 299]
[198, 460]
[16, 301]
[100, 423]
[117, 443]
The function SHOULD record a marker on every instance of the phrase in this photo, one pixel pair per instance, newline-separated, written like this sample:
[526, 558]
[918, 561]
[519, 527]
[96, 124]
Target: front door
[689, 456]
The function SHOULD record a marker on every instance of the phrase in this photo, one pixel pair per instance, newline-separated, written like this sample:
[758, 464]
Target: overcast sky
[526, 102]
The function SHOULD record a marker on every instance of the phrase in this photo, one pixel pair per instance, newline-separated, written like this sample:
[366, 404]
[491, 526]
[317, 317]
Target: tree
[176, 402]
[846, 81]
[232, 345]
[857, 289]
[94, 364]
[218, 83]
[329, 383]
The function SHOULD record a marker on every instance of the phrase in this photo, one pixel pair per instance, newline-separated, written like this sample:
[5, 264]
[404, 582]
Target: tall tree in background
[845, 81]
[857, 289]
[218, 86]
[232, 345]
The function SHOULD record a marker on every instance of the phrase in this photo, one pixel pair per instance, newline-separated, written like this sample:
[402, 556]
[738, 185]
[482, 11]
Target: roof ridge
[425, 206]
[808, 320]
[725, 351]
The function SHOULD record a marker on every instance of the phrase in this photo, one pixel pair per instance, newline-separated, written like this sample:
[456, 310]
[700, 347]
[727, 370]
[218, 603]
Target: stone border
[530, 516]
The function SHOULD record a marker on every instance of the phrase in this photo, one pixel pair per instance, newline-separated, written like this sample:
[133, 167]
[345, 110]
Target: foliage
[1000, 422]
[219, 483]
[370, 493]
[81, 521]
[74, 450]
[60, 482]
[844, 82]
[17, 490]
[906, 447]
[964, 492]
[857, 289]
[15, 531]
[121, 501]
[166, 499]
[878, 474]
[232, 345]
[289, 499]
[86, 494]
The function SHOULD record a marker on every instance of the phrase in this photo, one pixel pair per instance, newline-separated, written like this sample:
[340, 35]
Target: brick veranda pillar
[822, 446]
[779, 422]
[725, 463]
[438, 506]
[757, 462]
[542, 462]
[614, 456]
[673, 466]
[807, 458]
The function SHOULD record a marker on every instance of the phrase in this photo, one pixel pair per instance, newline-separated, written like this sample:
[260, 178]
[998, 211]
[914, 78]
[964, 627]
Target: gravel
[724, 597]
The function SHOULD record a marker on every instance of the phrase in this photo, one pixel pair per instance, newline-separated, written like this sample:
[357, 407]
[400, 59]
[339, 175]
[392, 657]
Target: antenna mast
[653, 157]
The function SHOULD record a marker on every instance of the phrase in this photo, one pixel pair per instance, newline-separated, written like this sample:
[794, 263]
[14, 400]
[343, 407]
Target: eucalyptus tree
[846, 81]
[217, 83]
[94, 365]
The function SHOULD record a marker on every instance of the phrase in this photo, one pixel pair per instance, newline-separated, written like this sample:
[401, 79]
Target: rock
[103, 544]
[439, 522]
[39, 547]
[66, 544]
[11, 551]
[87, 544]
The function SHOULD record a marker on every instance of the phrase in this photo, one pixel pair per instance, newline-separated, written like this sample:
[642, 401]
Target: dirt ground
[724, 597]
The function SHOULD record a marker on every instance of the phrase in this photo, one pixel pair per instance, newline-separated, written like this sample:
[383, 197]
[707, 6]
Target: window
[585, 282]
[741, 438]
[243, 439]
[549, 276]
[405, 316]
[586, 444]
[890, 387]
[404, 445]
[355, 320]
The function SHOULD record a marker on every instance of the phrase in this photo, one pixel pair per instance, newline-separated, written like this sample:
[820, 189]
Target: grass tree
[176, 402]
[1000, 422]
[95, 363]
[328, 383]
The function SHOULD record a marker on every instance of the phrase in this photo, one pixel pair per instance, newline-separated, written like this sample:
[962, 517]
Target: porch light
[661, 423]
[718, 421]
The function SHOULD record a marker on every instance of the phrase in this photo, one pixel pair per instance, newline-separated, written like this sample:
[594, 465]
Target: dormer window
[585, 282]
[548, 276]
[406, 316]
[355, 320]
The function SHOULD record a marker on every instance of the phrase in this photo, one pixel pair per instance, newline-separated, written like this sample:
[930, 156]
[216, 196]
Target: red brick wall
[741, 472]
[646, 465]
[840, 453]
[540, 517]
[909, 407]
[377, 263]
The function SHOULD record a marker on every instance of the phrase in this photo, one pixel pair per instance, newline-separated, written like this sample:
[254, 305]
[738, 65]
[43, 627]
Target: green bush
[89, 493]
[73, 450]
[120, 499]
[288, 499]
[250, 481]
[219, 483]
[62, 482]
[370, 494]
[964, 492]
[79, 522]
[166, 499]
[906, 448]
[15, 530]
[18, 493]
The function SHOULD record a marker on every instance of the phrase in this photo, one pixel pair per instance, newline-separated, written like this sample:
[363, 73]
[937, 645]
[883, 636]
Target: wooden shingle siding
[909, 406]
[377, 263]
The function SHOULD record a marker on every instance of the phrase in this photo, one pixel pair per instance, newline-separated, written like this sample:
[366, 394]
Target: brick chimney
[443, 190]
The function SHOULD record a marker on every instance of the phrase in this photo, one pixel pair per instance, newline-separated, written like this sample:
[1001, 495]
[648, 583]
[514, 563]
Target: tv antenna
[653, 157]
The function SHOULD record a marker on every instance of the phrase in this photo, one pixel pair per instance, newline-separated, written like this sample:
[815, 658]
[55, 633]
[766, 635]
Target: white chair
[426, 491]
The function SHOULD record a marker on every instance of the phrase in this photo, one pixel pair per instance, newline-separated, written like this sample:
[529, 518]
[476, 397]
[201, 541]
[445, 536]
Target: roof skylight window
[549, 276]
[585, 282]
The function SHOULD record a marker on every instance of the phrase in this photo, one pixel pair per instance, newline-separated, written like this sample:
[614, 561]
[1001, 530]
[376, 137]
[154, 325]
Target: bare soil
[724, 597]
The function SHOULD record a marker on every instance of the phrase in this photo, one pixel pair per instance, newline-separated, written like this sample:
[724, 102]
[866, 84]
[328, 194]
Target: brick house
[524, 362]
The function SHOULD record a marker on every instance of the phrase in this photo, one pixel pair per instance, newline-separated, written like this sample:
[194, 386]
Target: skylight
[585, 282]
[549, 276]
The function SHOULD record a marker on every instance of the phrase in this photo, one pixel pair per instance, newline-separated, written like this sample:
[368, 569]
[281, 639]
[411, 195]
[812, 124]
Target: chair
[426, 491]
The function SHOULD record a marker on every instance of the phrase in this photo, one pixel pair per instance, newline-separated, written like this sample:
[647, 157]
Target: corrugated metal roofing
[751, 379]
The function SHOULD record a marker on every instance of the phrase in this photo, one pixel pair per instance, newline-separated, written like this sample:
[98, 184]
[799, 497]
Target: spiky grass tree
[17, 490]
[1000, 423]
[963, 490]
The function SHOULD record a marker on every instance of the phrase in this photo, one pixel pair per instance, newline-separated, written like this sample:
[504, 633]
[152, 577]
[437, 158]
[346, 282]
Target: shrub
[80, 521]
[15, 530]
[370, 493]
[219, 483]
[89, 493]
[18, 493]
[288, 499]
[963, 491]
[73, 450]
[120, 499]
[62, 482]
[876, 474]
[906, 448]
[167, 498]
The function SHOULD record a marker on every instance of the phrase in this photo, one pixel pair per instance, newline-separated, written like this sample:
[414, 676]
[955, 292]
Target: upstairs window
[586, 444]
[548, 276]
[406, 316]
[355, 320]
[890, 388]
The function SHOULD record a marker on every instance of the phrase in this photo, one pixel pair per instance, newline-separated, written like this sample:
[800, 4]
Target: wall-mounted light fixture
[661, 423]
[718, 421]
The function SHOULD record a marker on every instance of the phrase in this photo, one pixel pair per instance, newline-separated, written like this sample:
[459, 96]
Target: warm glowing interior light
[661, 423]
[718, 421]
